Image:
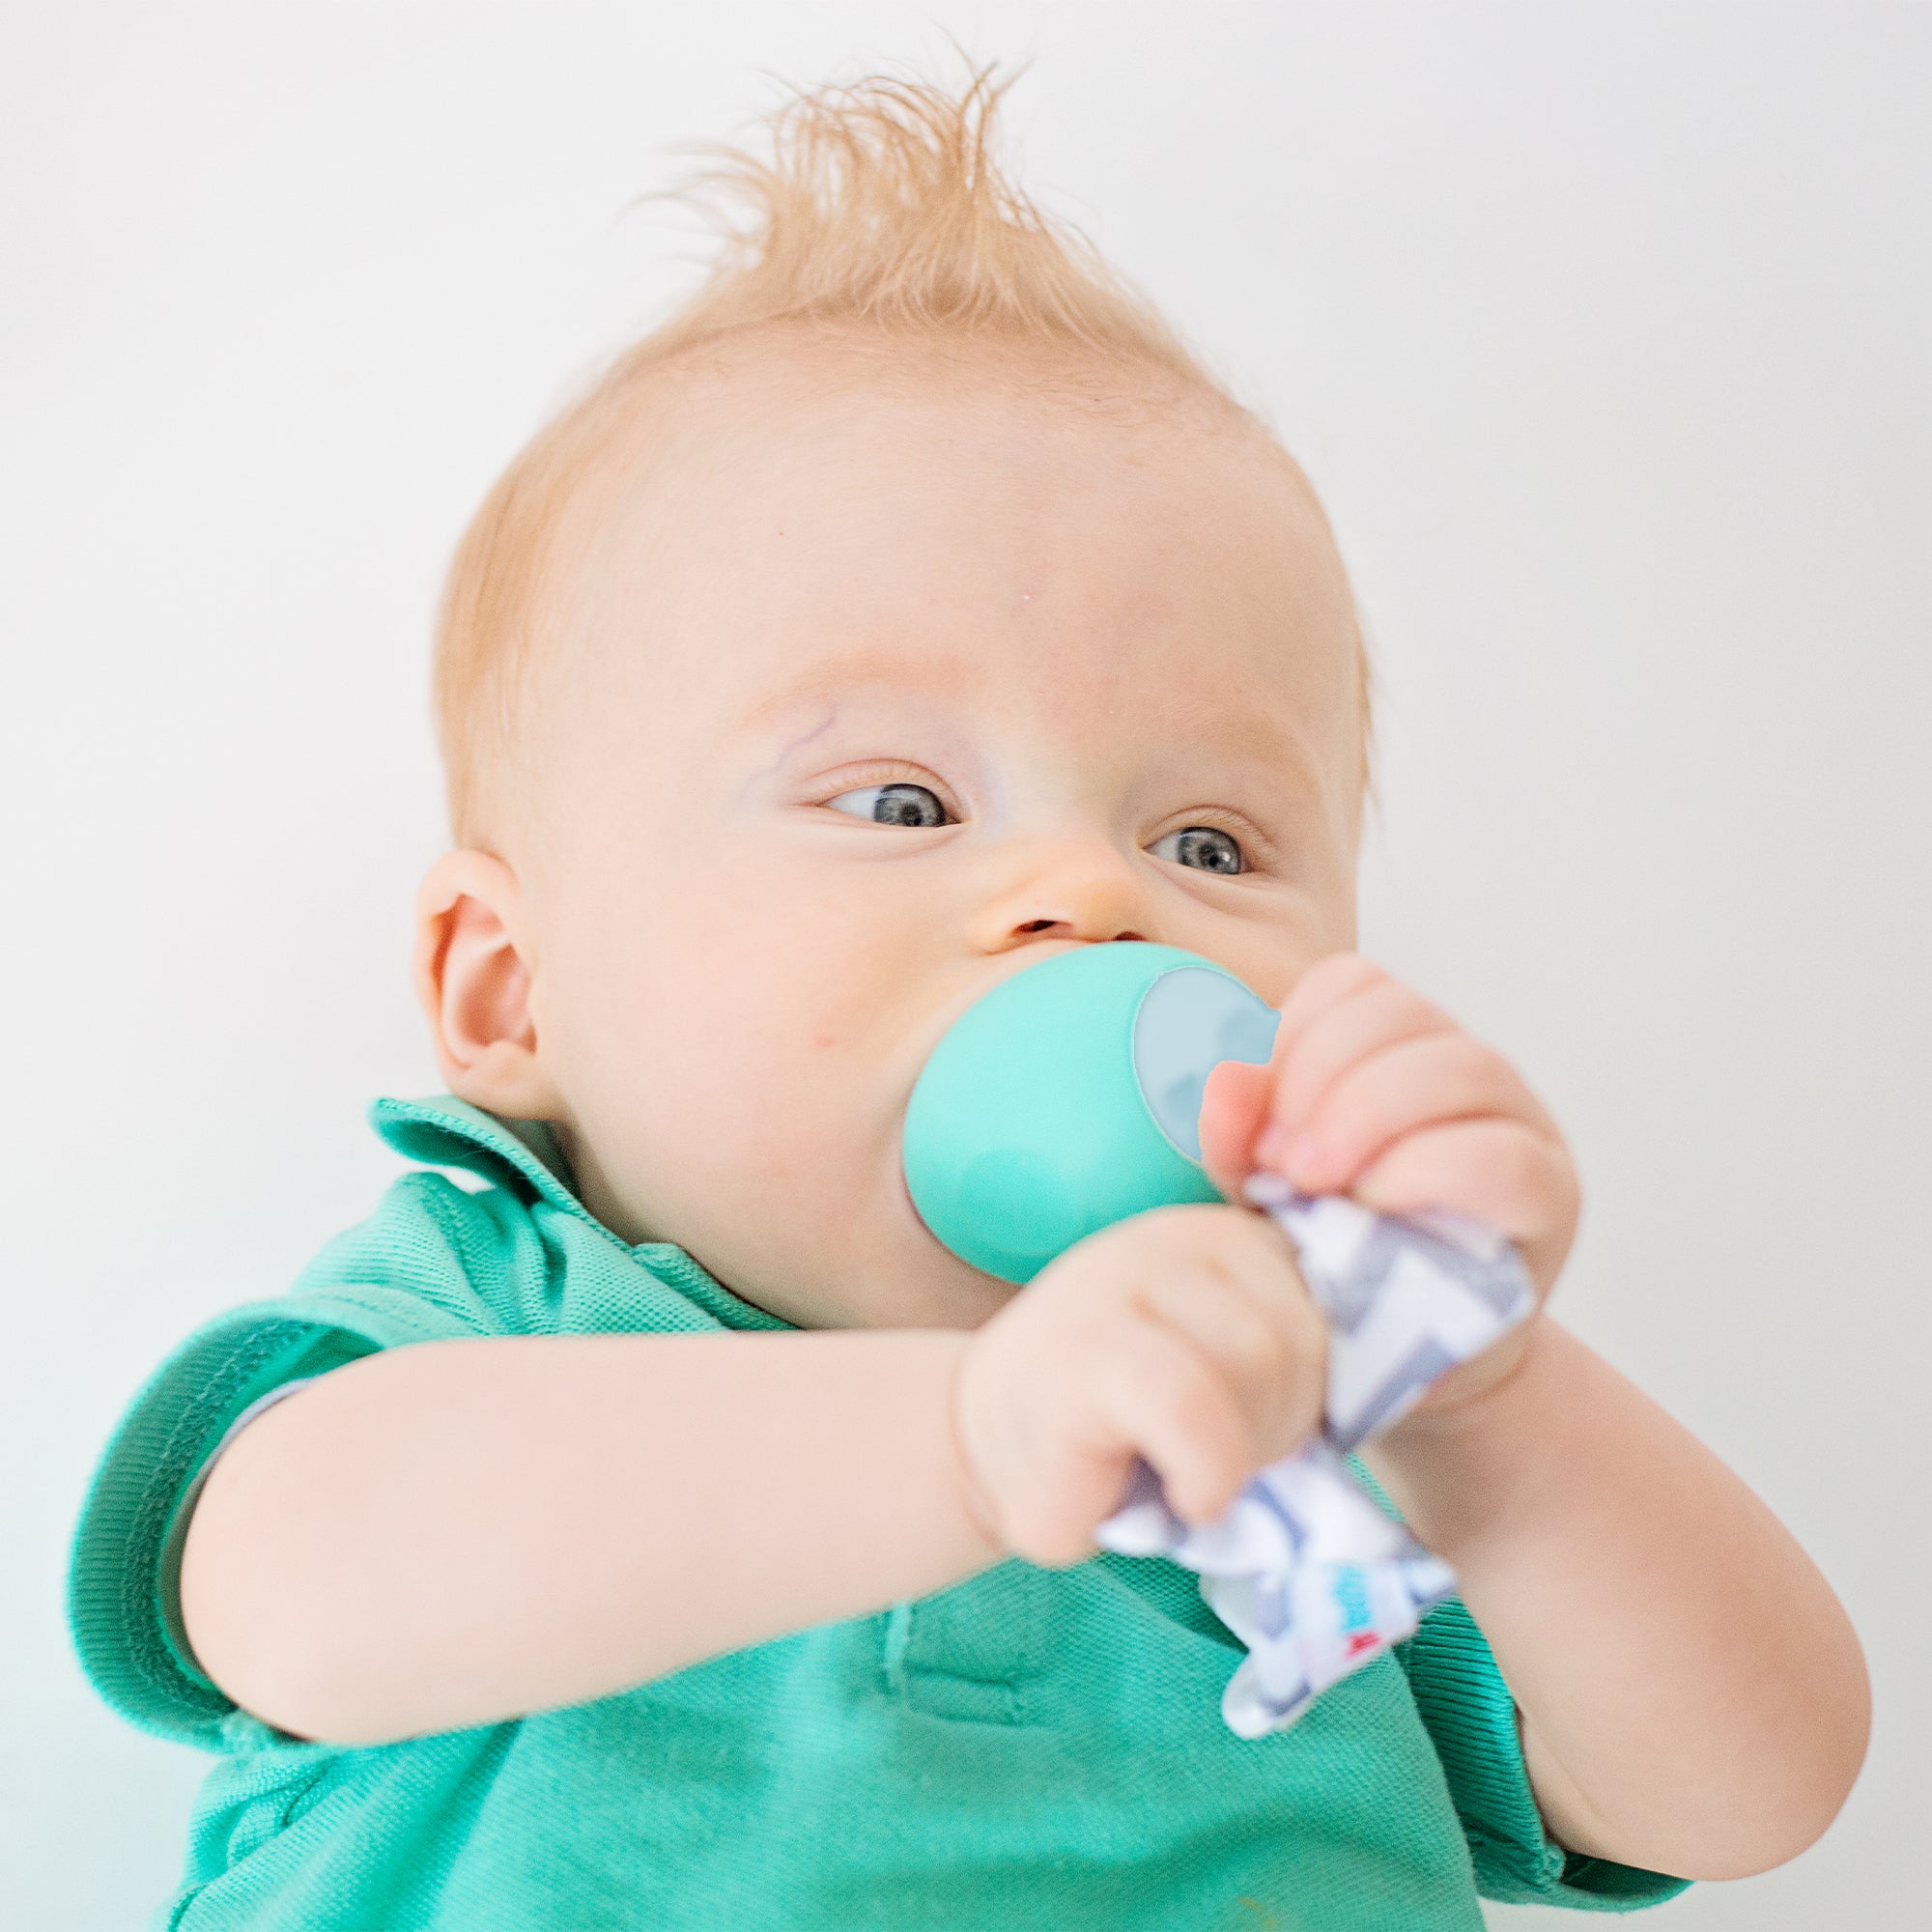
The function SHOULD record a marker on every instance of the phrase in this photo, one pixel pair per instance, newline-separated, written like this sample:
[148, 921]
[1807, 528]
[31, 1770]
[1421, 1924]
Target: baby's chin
[883, 1267]
[877, 1267]
[925, 1290]
[964, 1302]
[925, 1284]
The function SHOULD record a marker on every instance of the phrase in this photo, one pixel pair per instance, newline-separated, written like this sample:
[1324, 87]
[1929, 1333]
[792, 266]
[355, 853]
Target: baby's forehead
[853, 438]
[801, 488]
[822, 523]
[798, 389]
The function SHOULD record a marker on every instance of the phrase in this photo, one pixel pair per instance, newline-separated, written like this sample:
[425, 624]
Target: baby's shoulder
[473, 1255]
[425, 1223]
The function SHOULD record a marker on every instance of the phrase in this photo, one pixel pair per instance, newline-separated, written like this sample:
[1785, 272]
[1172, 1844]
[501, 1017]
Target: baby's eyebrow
[1247, 733]
[793, 746]
[832, 677]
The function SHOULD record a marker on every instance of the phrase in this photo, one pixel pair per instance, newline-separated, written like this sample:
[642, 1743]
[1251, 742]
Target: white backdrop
[1601, 328]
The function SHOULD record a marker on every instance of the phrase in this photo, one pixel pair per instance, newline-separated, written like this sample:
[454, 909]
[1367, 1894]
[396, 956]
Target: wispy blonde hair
[881, 208]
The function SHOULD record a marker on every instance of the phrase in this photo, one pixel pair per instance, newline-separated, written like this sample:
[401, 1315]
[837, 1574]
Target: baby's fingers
[1233, 1109]
[1168, 1400]
[1408, 1086]
[1501, 1172]
[1375, 1016]
[1337, 977]
[1133, 1387]
[1341, 1009]
[1246, 1309]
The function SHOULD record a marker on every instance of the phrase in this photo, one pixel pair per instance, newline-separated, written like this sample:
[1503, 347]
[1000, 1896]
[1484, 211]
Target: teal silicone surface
[1028, 1129]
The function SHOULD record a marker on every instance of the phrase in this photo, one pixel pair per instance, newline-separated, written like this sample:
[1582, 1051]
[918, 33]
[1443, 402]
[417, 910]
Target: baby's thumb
[1233, 1109]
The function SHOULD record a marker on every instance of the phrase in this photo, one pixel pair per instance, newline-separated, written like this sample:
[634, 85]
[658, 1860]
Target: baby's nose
[1078, 888]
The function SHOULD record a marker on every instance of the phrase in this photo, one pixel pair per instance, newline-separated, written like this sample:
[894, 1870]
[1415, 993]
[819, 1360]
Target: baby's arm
[456, 1532]
[1693, 1700]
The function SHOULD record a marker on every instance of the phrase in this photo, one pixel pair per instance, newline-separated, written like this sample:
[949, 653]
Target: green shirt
[1031, 1748]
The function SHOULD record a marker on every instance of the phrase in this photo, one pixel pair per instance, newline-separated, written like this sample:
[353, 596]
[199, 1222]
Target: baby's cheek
[748, 1070]
[751, 1026]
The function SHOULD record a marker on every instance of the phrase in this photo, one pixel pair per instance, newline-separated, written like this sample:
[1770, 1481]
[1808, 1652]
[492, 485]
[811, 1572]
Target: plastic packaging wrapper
[1305, 1567]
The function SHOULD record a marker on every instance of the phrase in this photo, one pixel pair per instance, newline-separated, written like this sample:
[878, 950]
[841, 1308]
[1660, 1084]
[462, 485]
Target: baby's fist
[1375, 1092]
[1184, 1335]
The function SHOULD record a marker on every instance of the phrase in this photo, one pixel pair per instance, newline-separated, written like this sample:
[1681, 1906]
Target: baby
[660, 1527]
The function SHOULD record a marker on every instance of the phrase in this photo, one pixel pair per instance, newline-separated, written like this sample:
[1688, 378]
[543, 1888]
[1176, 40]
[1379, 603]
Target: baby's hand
[1185, 1335]
[1374, 1093]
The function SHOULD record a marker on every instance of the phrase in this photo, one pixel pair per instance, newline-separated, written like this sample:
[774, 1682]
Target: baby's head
[909, 607]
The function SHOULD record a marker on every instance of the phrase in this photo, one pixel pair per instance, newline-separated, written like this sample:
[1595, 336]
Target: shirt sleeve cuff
[123, 1598]
[1473, 1720]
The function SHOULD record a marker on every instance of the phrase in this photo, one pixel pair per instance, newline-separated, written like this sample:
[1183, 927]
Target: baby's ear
[472, 982]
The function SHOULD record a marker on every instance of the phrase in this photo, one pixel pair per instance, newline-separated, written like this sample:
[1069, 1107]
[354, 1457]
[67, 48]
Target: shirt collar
[520, 1156]
[525, 1157]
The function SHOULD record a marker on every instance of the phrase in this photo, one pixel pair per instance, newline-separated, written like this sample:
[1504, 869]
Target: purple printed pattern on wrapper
[1304, 1567]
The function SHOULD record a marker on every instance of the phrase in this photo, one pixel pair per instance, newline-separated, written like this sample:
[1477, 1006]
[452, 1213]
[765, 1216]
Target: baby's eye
[1207, 846]
[895, 803]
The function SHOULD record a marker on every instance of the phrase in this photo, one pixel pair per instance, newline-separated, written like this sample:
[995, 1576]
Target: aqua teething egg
[1070, 1097]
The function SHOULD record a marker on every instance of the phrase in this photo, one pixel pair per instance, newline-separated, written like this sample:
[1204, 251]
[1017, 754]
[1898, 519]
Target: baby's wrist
[1448, 1463]
[1466, 1396]
[975, 1505]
